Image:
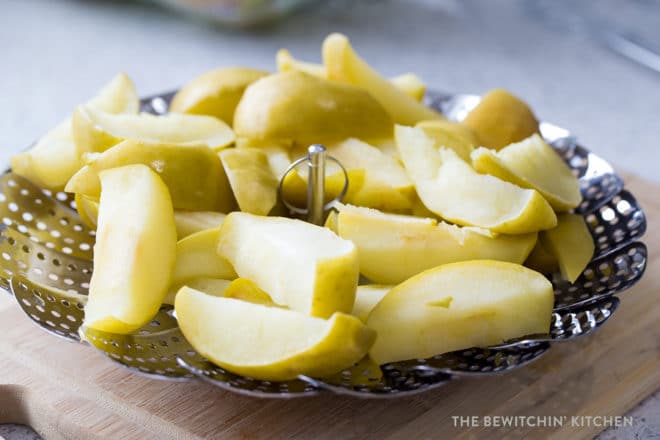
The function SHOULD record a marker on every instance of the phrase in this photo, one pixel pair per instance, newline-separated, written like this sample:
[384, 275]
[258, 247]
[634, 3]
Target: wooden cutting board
[69, 391]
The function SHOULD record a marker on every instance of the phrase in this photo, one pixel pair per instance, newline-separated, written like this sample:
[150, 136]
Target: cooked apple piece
[134, 252]
[193, 173]
[410, 84]
[571, 244]
[541, 259]
[215, 93]
[302, 266]
[247, 290]
[54, 159]
[343, 64]
[451, 135]
[96, 131]
[299, 107]
[393, 248]
[190, 222]
[366, 298]
[531, 163]
[210, 286]
[269, 343]
[458, 306]
[251, 179]
[452, 189]
[294, 187]
[501, 119]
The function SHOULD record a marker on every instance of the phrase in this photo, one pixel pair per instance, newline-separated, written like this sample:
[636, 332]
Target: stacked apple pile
[439, 215]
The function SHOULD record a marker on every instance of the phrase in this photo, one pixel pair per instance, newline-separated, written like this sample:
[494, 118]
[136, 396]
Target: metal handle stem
[316, 184]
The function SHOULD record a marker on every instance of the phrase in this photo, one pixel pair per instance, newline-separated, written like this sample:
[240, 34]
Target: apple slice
[410, 84]
[449, 187]
[251, 179]
[96, 131]
[393, 248]
[210, 286]
[190, 222]
[54, 159]
[135, 250]
[247, 290]
[541, 259]
[197, 257]
[451, 135]
[366, 298]
[193, 173]
[531, 163]
[269, 343]
[459, 306]
[571, 244]
[302, 266]
[88, 209]
[343, 64]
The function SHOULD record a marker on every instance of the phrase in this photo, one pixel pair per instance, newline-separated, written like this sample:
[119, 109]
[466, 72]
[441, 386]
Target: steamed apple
[571, 244]
[190, 222]
[451, 135]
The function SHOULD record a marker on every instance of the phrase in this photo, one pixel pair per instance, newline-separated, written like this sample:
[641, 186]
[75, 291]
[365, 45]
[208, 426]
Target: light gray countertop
[55, 54]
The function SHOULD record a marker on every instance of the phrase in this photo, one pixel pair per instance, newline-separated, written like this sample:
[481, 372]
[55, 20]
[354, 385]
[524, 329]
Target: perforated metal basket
[46, 263]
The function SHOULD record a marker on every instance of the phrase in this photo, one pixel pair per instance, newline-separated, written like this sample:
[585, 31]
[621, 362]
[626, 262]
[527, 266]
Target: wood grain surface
[69, 391]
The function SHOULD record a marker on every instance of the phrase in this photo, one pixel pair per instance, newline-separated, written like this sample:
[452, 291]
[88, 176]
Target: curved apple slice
[571, 244]
[197, 257]
[451, 135]
[269, 343]
[532, 163]
[190, 222]
[135, 250]
[366, 298]
[459, 306]
[452, 189]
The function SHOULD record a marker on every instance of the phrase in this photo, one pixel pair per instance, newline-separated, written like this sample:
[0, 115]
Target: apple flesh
[302, 266]
[190, 222]
[366, 298]
[197, 257]
[571, 244]
[451, 135]
[135, 250]
[458, 306]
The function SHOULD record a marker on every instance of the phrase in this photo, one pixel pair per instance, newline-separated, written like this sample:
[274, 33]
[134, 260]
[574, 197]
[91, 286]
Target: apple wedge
[197, 257]
[193, 173]
[269, 343]
[344, 65]
[393, 248]
[54, 159]
[135, 250]
[452, 189]
[571, 244]
[451, 135]
[458, 306]
[366, 298]
[531, 163]
[411, 85]
[88, 209]
[190, 222]
[96, 131]
[210, 286]
[247, 290]
[302, 266]
[541, 259]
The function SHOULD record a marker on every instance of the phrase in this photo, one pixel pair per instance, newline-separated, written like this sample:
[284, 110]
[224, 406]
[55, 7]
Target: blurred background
[590, 66]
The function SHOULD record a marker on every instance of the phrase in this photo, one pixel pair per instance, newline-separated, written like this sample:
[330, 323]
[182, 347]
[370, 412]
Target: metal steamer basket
[47, 264]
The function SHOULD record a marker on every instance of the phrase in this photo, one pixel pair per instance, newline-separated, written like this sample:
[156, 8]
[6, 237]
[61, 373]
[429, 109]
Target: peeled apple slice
[452, 189]
[88, 209]
[410, 84]
[393, 248]
[247, 290]
[193, 173]
[302, 266]
[458, 306]
[532, 163]
[189, 222]
[571, 244]
[210, 286]
[343, 64]
[196, 257]
[451, 135]
[54, 159]
[366, 298]
[135, 250]
[96, 131]
[269, 343]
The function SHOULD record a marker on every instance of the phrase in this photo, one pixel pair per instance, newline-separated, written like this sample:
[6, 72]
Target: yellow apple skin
[134, 253]
[501, 119]
[571, 244]
[54, 159]
[393, 248]
[343, 64]
[190, 222]
[193, 173]
[366, 298]
[451, 135]
[305, 109]
[411, 85]
[452, 189]
[302, 266]
[251, 179]
[283, 344]
[531, 163]
[458, 306]
[247, 290]
[215, 93]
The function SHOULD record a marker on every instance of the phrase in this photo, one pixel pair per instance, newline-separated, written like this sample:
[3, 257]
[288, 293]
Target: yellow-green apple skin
[190, 222]
[393, 248]
[193, 173]
[452, 189]
[215, 93]
[299, 107]
[269, 343]
[458, 306]
[500, 119]
[96, 131]
[571, 244]
[344, 65]
[54, 158]
[135, 250]
[366, 298]
[532, 163]
[305, 267]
